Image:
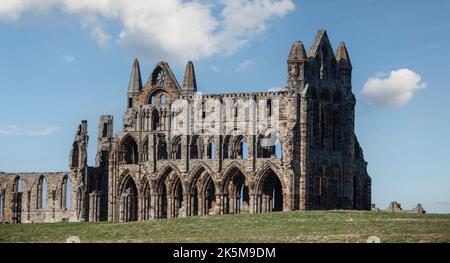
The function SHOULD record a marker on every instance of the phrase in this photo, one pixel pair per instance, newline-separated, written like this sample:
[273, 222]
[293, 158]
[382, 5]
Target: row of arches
[170, 196]
[40, 195]
[200, 147]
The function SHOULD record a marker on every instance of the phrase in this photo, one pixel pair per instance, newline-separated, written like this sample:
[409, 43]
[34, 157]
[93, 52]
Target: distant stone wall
[394, 206]
[22, 194]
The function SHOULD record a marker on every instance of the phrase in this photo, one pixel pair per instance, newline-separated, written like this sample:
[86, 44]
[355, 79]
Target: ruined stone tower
[183, 153]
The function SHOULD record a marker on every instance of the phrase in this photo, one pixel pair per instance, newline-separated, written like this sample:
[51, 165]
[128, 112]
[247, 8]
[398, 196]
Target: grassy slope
[335, 226]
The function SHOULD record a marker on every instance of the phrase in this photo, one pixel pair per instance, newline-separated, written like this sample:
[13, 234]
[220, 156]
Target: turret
[344, 64]
[135, 84]
[189, 83]
[297, 65]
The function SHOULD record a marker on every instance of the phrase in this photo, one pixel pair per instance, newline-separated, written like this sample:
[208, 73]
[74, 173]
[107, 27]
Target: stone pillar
[153, 207]
[231, 204]
[201, 206]
[192, 205]
[187, 205]
[219, 201]
[94, 206]
[152, 151]
[169, 207]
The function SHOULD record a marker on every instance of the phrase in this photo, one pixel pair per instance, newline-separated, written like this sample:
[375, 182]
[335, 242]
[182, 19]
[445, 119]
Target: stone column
[201, 206]
[169, 207]
[94, 206]
[153, 209]
[219, 200]
[232, 204]
[187, 205]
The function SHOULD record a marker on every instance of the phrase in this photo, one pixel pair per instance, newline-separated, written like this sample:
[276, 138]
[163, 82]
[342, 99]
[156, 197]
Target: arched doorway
[236, 198]
[202, 193]
[128, 201]
[169, 198]
[270, 193]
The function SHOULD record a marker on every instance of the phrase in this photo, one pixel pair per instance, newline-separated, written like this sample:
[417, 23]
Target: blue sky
[60, 64]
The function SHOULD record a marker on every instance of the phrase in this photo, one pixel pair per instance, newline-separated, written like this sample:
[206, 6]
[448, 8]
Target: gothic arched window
[161, 77]
[145, 150]
[176, 149]
[162, 148]
[155, 120]
[65, 193]
[130, 151]
[210, 150]
[41, 193]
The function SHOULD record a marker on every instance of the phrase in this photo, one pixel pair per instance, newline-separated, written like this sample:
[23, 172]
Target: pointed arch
[158, 76]
[41, 193]
[161, 146]
[267, 143]
[202, 191]
[176, 148]
[165, 170]
[169, 192]
[18, 184]
[270, 191]
[128, 200]
[16, 204]
[239, 147]
[197, 147]
[65, 192]
[235, 190]
[129, 150]
[162, 75]
[155, 124]
[200, 167]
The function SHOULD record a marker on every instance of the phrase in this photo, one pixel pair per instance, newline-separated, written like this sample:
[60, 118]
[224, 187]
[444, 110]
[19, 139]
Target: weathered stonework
[182, 153]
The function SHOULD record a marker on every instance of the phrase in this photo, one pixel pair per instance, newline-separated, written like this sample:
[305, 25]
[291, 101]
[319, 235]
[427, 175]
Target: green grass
[314, 226]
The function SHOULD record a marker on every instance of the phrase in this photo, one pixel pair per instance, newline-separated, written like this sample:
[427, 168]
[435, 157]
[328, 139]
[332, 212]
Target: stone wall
[25, 200]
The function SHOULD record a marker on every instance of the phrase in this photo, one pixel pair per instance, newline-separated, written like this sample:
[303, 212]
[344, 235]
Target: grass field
[314, 226]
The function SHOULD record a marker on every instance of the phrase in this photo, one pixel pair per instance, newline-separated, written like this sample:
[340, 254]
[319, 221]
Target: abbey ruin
[183, 153]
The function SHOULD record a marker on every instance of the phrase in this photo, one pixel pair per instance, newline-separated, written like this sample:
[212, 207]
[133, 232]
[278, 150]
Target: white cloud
[15, 130]
[216, 68]
[165, 29]
[68, 59]
[245, 65]
[101, 37]
[393, 90]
